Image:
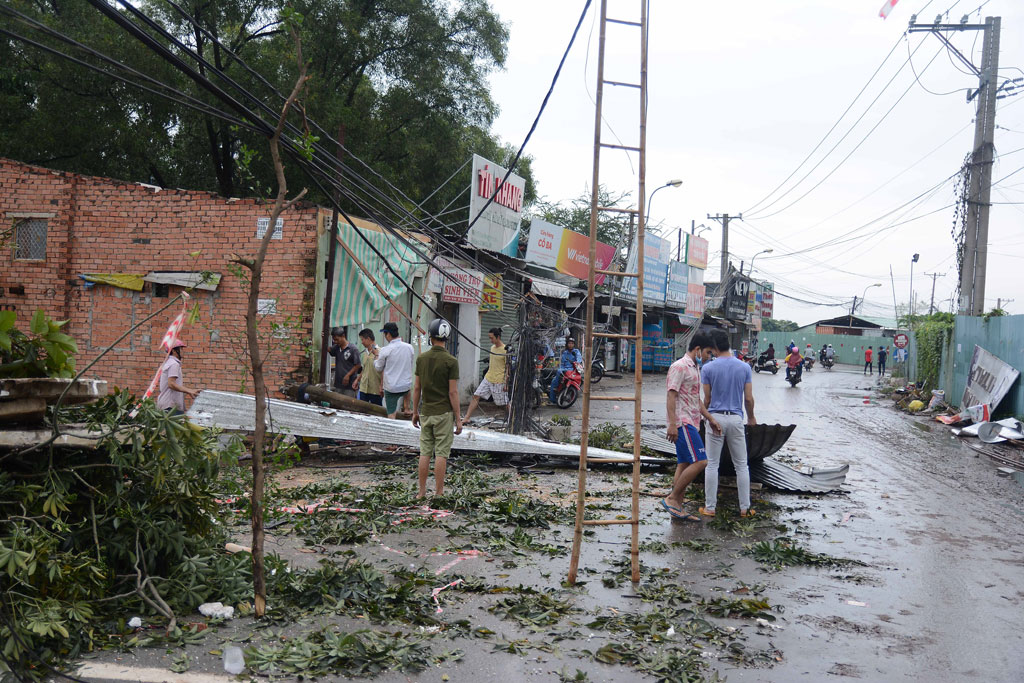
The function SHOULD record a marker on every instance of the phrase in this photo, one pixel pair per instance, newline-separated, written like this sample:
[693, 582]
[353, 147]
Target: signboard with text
[566, 251]
[697, 251]
[497, 227]
[677, 290]
[988, 380]
[457, 284]
[695, 300]
[657, 254]
[767, 300]
[492, 294]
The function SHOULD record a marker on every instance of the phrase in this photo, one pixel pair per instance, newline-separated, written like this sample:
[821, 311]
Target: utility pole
[931, 306]
[724, 220]
[853, 308]
[975, 248]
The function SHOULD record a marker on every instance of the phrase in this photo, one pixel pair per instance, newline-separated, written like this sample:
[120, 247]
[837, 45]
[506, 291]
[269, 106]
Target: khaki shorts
[437, 432]
[491, 390]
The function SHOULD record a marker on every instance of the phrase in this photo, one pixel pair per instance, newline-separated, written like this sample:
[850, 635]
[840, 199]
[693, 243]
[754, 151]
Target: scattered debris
[217, 610]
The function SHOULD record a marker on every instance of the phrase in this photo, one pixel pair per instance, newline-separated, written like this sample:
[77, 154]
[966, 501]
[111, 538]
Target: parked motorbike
[763, 363]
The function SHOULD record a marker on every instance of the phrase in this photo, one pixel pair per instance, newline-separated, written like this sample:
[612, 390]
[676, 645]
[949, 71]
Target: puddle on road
[922, 426]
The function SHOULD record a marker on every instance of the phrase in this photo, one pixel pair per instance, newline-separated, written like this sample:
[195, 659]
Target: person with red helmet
[172, 391]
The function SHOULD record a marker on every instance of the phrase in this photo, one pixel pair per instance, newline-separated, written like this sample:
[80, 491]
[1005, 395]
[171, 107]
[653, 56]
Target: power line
[830, 130]
[851, 152]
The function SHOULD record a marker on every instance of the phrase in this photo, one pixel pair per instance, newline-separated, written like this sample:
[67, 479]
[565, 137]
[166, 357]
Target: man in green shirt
[436, 380]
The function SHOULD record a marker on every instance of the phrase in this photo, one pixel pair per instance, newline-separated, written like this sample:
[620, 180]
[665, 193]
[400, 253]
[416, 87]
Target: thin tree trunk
[256, 355]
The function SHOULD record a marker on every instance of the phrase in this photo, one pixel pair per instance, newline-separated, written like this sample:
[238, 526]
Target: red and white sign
[696, 251]
[695, 300]
[900, 341]
[457, 284]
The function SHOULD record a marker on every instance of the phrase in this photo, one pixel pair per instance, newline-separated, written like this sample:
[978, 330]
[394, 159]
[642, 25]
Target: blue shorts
[689, 447]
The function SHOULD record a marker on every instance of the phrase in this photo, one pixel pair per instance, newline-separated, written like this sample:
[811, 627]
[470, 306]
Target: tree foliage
[773, 325]
[931, 332]
[404, 80]
[44, 352]
[94, 535]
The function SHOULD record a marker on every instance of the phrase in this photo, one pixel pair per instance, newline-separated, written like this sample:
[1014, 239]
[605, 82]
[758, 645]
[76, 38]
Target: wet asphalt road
[941, 530]
[941, 599]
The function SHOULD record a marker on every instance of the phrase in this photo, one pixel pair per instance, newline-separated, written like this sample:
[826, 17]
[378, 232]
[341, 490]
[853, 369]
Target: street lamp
[911, 309]
[764, 251]
[864, 295]
[700, 228]
[650, 197]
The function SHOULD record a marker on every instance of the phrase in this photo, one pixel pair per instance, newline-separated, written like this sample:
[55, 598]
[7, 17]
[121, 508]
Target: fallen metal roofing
[781, 476]
[763, 441]
[236, 412]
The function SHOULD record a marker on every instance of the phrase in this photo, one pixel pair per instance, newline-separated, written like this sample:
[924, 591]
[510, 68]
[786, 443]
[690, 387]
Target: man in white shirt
[395, 363]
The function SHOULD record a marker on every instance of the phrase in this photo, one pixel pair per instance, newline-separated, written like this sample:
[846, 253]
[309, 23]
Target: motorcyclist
[821, 354]
[830, 354]
[769, 354]
[794, 361]
[567, 361]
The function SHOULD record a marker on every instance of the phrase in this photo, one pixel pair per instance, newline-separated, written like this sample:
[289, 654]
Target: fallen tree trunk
[319, 393]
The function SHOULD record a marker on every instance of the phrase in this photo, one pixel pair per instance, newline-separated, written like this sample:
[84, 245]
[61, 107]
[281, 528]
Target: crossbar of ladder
[602, 522]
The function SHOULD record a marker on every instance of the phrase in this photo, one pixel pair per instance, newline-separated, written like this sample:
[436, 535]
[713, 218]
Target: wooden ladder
[637, 257]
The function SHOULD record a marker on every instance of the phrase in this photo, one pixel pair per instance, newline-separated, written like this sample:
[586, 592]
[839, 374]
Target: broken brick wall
[99, 225]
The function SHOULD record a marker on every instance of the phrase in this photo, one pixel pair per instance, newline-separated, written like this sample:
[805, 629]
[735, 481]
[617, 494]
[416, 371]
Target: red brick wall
[100, 225]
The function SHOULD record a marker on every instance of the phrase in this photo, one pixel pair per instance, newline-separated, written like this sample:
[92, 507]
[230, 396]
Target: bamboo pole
[581, 484]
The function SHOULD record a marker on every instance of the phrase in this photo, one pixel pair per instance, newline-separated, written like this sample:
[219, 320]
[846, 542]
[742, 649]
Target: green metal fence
[1002, 337]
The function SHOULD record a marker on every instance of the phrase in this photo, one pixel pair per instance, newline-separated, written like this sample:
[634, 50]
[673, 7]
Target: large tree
[405, 80]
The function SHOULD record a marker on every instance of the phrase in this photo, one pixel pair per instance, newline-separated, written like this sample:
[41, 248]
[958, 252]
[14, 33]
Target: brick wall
[98, 225]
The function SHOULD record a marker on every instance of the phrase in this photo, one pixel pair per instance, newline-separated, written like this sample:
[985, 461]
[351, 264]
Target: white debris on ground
[216, 610]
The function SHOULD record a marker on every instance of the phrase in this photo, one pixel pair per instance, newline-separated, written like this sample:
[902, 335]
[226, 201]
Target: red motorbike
[569, 386]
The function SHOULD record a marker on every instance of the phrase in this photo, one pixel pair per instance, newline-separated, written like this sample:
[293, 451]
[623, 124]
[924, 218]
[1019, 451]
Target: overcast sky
[741, 92]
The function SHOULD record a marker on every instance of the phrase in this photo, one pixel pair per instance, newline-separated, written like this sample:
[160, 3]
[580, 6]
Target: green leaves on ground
[784, 552]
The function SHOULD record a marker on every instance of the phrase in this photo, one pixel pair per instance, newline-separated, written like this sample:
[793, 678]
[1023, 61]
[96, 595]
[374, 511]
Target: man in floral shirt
[685, 410]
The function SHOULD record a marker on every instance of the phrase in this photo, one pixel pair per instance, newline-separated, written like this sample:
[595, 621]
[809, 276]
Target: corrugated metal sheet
[762, 442]
[236, 412]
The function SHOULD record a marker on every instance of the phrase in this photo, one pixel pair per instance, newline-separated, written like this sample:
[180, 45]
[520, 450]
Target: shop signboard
[544, 242]
[988, 380]
[736, 298]
[697, 251]
[458, 284]
[492, 294]
[574, 256]
[657, 254]
[695, 300]
[566, 251]
[677, 291]
[496, 228]
[767, 300]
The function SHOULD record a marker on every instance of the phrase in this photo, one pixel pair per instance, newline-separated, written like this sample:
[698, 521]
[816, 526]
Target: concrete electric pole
[975, 248]
[724, 220]
[933, 276]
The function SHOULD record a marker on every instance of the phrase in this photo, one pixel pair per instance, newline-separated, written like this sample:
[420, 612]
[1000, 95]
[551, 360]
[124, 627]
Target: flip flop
[748, 513]
[675, 512]
[706, 513]
[690, 518]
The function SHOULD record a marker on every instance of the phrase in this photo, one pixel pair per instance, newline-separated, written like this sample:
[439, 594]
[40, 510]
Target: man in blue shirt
[727, 390]
[570, 355]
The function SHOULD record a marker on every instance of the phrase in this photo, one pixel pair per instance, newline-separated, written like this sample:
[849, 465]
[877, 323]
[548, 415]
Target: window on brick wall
[30, 239]
[263, 223]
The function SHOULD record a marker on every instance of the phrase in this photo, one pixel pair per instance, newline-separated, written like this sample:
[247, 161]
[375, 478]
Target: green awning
[355, 298]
